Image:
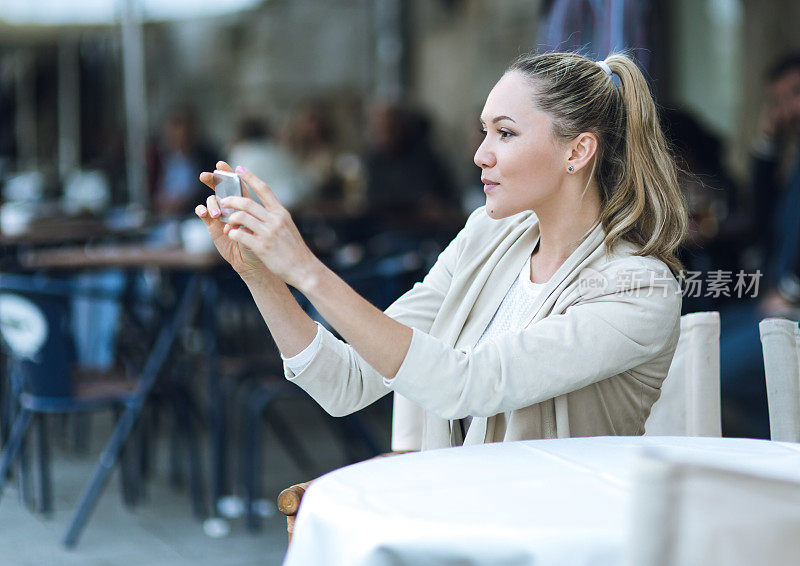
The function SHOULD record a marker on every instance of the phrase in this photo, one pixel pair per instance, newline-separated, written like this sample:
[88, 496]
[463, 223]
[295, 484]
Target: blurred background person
[256, 148]
[173, 161]
[776, 172]
[715, 230]
[776, 232]
[405, 176]
[311, 137]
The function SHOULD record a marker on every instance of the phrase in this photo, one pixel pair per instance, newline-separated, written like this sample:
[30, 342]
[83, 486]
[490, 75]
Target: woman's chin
[498, 212]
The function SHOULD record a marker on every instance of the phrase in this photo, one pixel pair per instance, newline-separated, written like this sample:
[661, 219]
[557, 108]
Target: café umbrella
[44, 17]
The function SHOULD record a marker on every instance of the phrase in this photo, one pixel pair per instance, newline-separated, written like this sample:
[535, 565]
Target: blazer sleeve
[591, 341]
[339, 379]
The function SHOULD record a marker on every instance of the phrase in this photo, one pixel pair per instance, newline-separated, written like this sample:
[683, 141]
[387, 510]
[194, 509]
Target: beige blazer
[590, 361]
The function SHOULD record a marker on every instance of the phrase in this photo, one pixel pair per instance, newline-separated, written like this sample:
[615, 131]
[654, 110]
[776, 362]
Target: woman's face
[522, 164]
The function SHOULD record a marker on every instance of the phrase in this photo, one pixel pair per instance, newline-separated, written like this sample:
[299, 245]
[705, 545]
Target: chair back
[689, 404]
[34, 332]
[780, 341]
[701, 512]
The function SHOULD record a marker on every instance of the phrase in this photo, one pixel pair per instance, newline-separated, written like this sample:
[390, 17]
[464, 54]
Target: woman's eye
[504, 134]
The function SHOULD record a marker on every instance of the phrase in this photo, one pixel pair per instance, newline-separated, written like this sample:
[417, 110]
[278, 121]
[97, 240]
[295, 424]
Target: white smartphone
[226, 184]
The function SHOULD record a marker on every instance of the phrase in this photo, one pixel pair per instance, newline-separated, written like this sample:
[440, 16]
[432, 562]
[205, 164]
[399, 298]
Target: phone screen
[226, 184]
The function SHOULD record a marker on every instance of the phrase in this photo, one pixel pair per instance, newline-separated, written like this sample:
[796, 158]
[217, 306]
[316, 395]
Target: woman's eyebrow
[496, 119]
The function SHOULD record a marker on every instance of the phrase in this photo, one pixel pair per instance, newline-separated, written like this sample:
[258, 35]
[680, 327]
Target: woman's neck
[562, 227]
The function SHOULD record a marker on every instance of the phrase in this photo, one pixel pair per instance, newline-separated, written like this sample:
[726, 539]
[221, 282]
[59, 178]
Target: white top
[515, 308]
[298, 363]
[509, 318]
[510, 315]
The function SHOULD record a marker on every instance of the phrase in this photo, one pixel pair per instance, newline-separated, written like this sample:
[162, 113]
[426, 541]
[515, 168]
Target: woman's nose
[484, 157]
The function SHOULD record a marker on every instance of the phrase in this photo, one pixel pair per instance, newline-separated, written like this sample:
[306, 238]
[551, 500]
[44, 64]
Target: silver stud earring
[570, 169]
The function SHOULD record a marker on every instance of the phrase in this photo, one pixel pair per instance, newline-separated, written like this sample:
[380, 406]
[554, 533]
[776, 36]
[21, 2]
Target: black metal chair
[41, 377]
[33, 324]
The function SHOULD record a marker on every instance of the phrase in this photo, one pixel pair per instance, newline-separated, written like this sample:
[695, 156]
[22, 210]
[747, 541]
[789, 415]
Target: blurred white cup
[15, 217]
[195, 237]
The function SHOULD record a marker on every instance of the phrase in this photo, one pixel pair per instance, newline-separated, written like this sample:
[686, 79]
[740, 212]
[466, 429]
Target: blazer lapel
[491, 293]
[491, 276]
[571, 268]
[466, 294]
[479, 428]
[495, 286]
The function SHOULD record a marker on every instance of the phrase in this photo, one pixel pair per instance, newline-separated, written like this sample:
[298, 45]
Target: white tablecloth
[540, 502]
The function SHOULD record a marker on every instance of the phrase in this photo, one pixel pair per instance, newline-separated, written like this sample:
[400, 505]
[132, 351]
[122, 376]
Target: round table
[563, 501]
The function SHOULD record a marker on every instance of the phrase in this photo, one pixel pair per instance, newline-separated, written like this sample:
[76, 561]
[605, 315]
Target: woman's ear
[581, 151]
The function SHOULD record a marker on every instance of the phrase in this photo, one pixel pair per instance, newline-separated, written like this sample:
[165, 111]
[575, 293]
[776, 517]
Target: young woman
[553, 313]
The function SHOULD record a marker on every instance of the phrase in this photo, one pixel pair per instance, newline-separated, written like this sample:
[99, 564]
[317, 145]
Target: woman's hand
[243, 261]
[268, 230]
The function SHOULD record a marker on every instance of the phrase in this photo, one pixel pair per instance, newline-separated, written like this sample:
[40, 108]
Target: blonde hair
[641, 200]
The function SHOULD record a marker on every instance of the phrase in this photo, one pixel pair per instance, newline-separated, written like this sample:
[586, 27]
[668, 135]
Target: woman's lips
[488, 185]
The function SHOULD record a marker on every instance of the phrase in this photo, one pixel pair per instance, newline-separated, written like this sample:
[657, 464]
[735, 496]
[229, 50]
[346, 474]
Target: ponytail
[641, 201]
[647, 206]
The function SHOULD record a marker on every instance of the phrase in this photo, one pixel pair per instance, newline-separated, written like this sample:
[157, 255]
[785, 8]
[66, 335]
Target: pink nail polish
[241, 170]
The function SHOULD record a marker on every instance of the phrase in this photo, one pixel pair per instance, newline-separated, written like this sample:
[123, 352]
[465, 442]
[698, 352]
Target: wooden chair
[290, 498]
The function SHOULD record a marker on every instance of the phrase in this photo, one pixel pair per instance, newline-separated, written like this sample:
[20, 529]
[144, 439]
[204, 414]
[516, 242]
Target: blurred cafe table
[68, 230]
[199, 296]
[122, 256]
[543, 502]
[53, 226]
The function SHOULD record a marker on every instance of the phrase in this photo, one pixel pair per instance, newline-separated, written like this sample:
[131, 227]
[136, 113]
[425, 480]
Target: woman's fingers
[213, 206]
[202, 212]
[244, 237]
[240, 218]
[247, 205]
[208, 179]
[263, 191]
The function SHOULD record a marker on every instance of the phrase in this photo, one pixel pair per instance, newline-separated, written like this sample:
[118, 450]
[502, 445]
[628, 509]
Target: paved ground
[161, 530]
